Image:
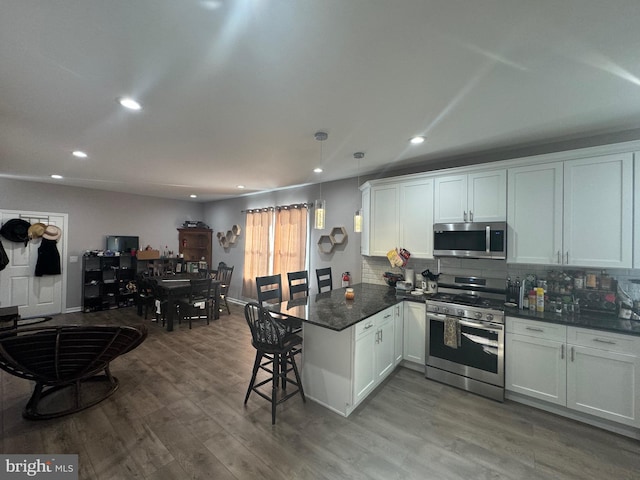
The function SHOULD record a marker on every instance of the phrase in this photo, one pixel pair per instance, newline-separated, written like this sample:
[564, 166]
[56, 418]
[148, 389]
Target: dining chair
[298, 283]
[144, 294]
[160, 301]
[275, 354]
[197, 305]
[324, 279]
[269, 288]
[223, 274]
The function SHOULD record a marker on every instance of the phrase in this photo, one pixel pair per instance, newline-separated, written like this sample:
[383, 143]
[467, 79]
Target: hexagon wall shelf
[326, 243]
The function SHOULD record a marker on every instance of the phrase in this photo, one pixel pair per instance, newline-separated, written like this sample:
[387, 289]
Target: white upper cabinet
[473, 197]
[398, 215]
[577, 212]
[534, 217]
[384, 219]
[598, 211]
[416, 217]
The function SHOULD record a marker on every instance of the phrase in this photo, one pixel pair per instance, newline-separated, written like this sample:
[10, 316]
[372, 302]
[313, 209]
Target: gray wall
[94, 214]
[342, 197]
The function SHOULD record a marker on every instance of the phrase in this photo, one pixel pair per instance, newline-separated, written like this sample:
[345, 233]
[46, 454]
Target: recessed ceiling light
[240, 186]
[80, 154]
[317, 170]
[193, 196]
[57, 177]
[129, 103]
[417, 140]
[211, 4]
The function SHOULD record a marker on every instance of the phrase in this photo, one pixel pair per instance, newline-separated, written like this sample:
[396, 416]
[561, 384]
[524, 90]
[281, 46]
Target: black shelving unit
[105, 281]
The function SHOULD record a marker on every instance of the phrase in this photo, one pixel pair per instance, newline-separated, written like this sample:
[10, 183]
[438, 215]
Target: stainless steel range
[465, 334]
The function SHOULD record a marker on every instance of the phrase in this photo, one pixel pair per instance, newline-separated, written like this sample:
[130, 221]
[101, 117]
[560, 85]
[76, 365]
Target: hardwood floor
[179, 414]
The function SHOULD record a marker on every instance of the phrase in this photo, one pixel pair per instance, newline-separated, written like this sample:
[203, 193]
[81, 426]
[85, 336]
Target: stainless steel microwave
[470, 240]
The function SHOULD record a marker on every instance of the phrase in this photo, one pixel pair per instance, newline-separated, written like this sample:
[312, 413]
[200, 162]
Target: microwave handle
[488, 239]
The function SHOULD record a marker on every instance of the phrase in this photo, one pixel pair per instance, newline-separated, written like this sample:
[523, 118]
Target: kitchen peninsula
[349, 346]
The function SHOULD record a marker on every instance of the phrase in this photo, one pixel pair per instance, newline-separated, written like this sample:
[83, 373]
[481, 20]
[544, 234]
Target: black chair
[223, 274]
[324, 279]
[269, 288]
[160, 301]
[9, 317]
[66, 357]
[144, 294]
[298, 283]
[275, 354]
[199, 303]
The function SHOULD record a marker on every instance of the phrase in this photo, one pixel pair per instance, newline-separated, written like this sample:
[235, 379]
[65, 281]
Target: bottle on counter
[532, 300]
[539, 299]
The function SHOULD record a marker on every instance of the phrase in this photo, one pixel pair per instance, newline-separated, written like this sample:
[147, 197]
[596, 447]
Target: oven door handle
[494, 327]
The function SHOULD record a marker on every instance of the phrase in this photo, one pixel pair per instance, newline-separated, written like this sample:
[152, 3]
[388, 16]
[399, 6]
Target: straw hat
[36, 230]
[52, 233]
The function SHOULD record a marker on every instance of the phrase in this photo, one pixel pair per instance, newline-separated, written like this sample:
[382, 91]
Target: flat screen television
[122, 243]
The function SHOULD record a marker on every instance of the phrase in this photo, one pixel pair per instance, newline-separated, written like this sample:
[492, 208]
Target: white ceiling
[233, 95]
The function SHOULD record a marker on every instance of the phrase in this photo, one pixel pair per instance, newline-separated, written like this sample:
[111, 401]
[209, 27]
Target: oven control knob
[478, 315]
[460, 313]
[445, 309]
[489, 317]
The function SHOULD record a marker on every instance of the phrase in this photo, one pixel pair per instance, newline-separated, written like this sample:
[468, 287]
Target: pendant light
[319, 205]
[357, 218]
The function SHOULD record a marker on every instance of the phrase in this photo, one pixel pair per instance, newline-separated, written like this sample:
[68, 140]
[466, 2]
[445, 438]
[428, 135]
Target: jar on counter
[532, 300]
[578, 282]
[591, 280]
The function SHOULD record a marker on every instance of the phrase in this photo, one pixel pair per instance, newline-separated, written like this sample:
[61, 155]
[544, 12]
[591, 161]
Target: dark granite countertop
[331, 310]
[585, 320]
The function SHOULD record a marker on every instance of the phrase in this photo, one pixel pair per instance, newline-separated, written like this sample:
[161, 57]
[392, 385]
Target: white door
[34, 296]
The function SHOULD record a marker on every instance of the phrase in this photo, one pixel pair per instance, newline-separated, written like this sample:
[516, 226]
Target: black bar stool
[275, 354]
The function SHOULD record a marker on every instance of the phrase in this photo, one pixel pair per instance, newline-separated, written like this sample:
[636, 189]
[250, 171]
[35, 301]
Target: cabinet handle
[534, 329]
[367, 327]
[559, 261]
[464, 215]
[567, 262]
[470, 216]
[562, 351]
[608, 342]
[572, 353]
[387, 315]
[380, 336]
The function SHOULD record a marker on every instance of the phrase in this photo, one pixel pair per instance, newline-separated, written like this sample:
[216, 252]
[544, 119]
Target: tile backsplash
[374, 267]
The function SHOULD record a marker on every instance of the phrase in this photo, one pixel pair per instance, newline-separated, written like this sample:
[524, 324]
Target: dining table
[178, 286]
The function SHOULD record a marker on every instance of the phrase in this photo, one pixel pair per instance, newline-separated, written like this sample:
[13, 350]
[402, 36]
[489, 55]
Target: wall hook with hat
[16, 230]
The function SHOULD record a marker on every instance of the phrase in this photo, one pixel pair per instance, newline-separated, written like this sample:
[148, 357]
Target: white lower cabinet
[415, 322]
[340, 369]
[398, 332]
[589, 371]
[603, 375]
[364, 369]
[535, 360]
